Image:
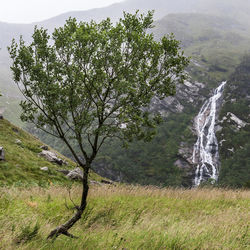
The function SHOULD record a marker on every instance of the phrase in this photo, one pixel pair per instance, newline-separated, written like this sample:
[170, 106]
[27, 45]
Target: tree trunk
[63, 229]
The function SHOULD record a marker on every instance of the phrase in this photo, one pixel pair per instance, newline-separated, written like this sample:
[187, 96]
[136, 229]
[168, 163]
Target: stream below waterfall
[205, 151]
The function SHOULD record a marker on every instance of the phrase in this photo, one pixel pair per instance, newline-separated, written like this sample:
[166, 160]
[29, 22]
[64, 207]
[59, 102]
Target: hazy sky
[27, 11]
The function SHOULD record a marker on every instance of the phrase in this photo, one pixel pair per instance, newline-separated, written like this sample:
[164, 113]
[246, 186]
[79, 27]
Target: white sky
[27, 11]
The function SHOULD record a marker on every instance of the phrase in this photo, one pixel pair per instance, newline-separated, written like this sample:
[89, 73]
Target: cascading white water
[205, 152]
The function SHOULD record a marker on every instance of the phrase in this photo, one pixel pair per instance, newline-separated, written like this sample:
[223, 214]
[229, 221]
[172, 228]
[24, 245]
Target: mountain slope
[239, 10]
[22, 164]
[215, 44]
[235, 129]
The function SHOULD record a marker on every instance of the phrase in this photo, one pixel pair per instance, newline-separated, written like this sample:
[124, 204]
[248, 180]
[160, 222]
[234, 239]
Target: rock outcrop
[52, 157]
[186, 94]
[75, 174]
[233, 119]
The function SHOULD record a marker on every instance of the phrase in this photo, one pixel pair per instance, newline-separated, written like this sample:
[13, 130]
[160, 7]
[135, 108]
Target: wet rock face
[186, 93]
[186, 152]
[2, 156]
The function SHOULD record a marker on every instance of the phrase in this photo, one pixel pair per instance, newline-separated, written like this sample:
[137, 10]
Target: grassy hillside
[22, 164]
[127, 218]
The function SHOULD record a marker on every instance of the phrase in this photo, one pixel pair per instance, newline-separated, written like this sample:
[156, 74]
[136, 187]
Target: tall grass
[126, 217]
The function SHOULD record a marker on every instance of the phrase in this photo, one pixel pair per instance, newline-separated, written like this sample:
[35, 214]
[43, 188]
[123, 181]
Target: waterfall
[205, 152]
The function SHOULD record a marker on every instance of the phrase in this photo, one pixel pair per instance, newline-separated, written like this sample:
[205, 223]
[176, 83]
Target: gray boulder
[75, 174]
[51, 157]
[2, 156]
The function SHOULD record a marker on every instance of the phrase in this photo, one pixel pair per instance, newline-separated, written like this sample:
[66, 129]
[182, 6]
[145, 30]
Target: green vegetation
[151, 163]
[143, 163]
[127, 217]
[234, 152]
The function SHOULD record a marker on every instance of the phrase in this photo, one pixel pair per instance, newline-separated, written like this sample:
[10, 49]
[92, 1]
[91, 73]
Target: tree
[90, 82]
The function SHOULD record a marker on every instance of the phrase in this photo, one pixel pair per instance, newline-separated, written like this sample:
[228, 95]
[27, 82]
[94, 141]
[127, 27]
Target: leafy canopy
[92, 81]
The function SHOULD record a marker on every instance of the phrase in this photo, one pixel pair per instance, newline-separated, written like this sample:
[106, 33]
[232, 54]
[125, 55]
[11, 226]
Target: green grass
[22, 164]
[33, 202]
[126, 217]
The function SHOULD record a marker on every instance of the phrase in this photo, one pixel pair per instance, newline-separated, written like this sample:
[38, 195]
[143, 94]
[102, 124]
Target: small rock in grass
[44, 169]
[2, 157]
[18, 141]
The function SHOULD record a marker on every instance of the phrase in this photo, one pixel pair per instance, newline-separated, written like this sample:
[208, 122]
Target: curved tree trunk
[63, 229]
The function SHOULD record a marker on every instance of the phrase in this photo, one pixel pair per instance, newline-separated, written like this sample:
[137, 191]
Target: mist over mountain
[237, 10]
[216, 35]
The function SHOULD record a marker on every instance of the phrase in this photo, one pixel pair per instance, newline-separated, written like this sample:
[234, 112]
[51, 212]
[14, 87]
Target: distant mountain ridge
[237, 10]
